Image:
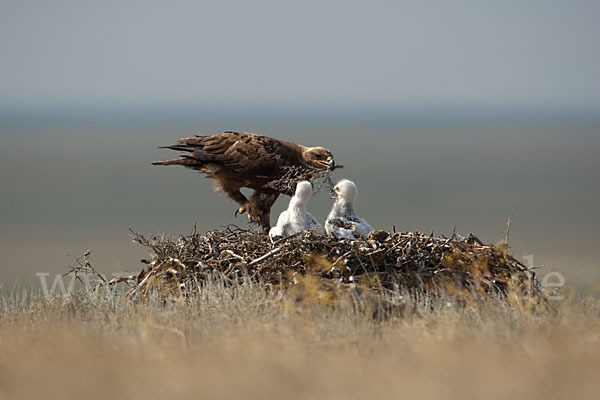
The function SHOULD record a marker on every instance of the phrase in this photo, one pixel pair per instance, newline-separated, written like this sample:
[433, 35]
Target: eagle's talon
[250, 211]
[253, 214]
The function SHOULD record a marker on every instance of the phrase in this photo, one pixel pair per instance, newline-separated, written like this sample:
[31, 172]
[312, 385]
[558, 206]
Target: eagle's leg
[234, 193]
[263, 200]
[249, 208]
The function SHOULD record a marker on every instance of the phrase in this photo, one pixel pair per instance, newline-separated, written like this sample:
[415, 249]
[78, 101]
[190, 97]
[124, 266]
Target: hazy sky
[399, 53]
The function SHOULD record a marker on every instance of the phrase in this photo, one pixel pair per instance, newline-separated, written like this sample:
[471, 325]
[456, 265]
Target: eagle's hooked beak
[329, 164]
[335, 194]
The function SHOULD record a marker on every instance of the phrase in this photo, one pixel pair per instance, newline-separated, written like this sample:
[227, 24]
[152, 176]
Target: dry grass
[243, 341]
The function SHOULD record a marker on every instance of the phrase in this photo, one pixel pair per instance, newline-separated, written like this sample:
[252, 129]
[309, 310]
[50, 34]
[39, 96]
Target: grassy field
[246, 342]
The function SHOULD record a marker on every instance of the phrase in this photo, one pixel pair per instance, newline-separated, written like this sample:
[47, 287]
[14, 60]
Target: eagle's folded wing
[340, 228]
[340, 223]
[242, 152]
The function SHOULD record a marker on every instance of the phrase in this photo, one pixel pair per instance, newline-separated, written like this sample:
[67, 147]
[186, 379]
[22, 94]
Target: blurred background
[447, 115]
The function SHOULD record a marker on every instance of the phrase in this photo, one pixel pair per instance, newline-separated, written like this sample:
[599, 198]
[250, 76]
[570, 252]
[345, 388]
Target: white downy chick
[342, 221]
[296, 219]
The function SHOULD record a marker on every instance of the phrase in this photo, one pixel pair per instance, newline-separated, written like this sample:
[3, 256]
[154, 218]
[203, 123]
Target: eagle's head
[304, 191]
[318, 157]
[345, 191]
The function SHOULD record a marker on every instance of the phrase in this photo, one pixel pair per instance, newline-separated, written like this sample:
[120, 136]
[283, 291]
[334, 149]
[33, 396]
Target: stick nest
[383, 261]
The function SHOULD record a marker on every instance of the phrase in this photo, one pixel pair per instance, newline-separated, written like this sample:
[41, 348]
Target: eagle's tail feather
[178, 147]
[198, 158]
[182, 161]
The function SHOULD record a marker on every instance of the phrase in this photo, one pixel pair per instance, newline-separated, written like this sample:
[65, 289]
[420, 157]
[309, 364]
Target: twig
[235, 255]
[269, 254]
[340, 258]
[507, 230]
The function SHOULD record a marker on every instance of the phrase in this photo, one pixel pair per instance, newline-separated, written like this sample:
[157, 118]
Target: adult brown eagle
[242, 159]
